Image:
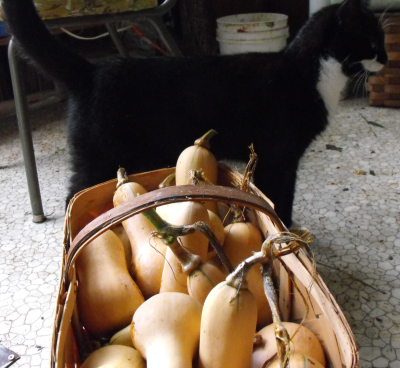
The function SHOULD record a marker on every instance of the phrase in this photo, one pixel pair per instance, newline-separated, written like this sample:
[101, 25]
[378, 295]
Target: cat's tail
[31, 34]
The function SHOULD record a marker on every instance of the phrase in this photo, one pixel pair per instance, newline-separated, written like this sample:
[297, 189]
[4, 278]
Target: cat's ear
[355, 3]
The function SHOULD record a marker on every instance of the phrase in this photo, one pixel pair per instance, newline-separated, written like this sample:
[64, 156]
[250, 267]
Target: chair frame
[153, 16]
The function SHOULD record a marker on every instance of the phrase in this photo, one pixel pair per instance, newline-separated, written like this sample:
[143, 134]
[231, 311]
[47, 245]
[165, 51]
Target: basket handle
[158, 197]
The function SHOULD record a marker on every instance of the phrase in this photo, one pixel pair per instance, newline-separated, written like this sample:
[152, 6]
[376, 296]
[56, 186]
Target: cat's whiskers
[357, 77]
[383, 14]
[358, 84]
[366, 76]
[388, 25]
[346, 58]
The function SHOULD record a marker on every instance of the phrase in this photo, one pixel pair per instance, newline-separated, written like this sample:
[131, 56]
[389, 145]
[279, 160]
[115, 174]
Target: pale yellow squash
[167, 210]
[122, 337]
[203, 279]
[107, 296]
[123, 236]
[166, 330]
[217, 227]
[187, 213]
[148, 252]
[198, 157]
[228, 326]
[304, 341]
[173, 279]
[114, 356]
[241, 240]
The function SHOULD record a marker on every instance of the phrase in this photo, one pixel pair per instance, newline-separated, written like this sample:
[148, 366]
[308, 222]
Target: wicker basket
[90, 214]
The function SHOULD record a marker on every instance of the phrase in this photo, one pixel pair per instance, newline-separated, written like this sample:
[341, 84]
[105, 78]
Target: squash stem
[168, 234]
[238, 276]
[204, 141]
[159, 223]
[282, 337]
[189, 261]
[197, 177]
[167, 182]
[122, 177]
[249, 171]
[206, 230]
[277, 246]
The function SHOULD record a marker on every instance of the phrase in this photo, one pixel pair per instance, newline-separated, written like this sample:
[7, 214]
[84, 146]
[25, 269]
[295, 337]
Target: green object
[49, 9]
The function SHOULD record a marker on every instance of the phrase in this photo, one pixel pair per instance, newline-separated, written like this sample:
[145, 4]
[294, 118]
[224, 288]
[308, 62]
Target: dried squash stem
[197, 177]
[278, 246]
[189, 261]
[204, 141]
[236, 277]
[169, 233]
[167, 182]
[281, 335]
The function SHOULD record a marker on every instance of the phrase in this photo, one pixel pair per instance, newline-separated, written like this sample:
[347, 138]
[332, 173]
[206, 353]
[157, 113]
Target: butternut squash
[167, 210]
[166, 330]
[122, 337]
[203, 279]
[297, 360]
[114, 356]
[168, 213]
[198, 157]
[107, 296]
[217, 227]
[148, 252]
[241, 240]
[123, 236]
[228, 325]
[304, 342]
[174, 278]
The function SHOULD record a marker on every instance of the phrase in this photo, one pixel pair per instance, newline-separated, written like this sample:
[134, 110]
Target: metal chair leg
[164, 34]
[117, 41]
[25, 135]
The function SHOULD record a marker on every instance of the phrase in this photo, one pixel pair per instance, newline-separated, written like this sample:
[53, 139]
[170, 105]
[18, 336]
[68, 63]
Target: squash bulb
[114, 356]
[107, 296]
[166, 330]
[304, 342]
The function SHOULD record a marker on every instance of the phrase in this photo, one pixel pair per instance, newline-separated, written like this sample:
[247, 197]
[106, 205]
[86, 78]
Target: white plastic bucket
[254, 32]
[228, 47]
[253, 36]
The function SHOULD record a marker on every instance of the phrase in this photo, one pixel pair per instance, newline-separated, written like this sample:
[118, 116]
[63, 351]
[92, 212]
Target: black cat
[141, 113]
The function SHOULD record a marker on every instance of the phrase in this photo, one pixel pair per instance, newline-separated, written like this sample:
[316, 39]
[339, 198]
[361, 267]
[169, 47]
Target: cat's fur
[141, 113]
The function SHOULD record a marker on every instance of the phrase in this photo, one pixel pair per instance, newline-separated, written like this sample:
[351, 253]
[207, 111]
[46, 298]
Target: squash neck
[167, 354]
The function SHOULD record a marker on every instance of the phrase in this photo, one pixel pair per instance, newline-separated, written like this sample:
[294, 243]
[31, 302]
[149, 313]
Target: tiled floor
[348, 194]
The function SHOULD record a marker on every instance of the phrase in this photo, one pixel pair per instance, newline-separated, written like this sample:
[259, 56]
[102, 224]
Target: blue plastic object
[3, 31]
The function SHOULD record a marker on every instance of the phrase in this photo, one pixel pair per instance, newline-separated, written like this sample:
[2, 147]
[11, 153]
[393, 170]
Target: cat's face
[359, 42]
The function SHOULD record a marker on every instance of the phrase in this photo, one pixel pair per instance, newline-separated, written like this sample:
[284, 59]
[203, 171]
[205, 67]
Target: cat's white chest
[331, 83]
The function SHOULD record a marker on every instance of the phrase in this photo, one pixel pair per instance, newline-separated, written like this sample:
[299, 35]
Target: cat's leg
[87, 176]
[287, 196]
[278, 184]
[75, 185]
